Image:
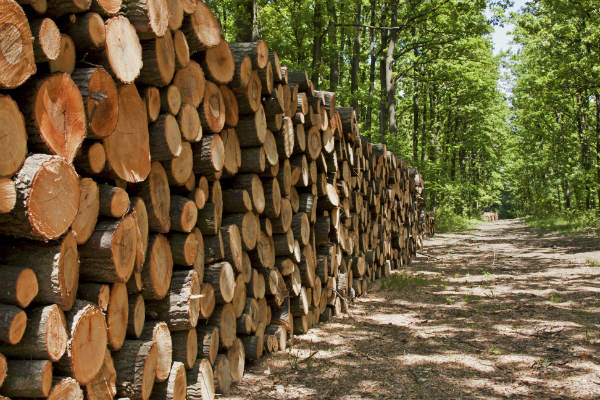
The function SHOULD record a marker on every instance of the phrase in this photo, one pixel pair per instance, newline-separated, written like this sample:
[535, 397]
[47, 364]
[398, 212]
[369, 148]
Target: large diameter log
[181, 308]
[13, 142]
[160, 336]
[128, 148]
[175, 387]
[45, 337]
[184, 214]
[85, 349]
[200, 380]
[56, 267]
[110, 253]
[28, 378]
[264, 253]
[17, 62]
[158, 56]
[65, 388]
[222, 374]
[209, 156]
[201, 29]
[212, 110]
[158, 268]
[221, 276]
[218, 63]
[19, 286]
[103, 386]
[149, 17]
[13, 322]
[237, 359]
[258, 52]
[123, 49]
[136, 364]
[254, 186]
[40, 212]
[156, 195]
[101, 99]
[185, 347]
[87, 214]
[190, 81]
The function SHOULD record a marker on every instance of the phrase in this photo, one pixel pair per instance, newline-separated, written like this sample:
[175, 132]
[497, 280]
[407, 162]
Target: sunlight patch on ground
[465, 361]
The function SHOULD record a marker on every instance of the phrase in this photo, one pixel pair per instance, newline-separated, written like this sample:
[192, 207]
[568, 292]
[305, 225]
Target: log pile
[174, 205]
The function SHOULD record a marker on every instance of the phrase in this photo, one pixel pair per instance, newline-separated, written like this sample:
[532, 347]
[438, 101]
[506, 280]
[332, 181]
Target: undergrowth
[405, 282]
[447, 221]
[565, 222]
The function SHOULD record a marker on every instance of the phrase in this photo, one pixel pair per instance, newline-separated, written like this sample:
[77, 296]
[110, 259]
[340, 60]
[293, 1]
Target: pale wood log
[152, 99]
[258, 52]
[136, 315]
[149, 17]
[123, 49]
[182, 50]
[222, 374]
[185, 347]
[65, 389]
[252, 129]
[158, 268]
[236, 357]
[158, 59]
[224, 319]
[200, 381]
[156, 195]
[103, 386]
[165, 138]
[208, 343]
[175, 387]
[201, 29]
[209, 156]
[189, 123]
[191, 82]
[17, 62]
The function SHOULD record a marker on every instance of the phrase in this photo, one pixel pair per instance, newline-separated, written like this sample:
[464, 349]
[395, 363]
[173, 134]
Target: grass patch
[565, 222]
[446, 221]
[592, 263]
[555, 299]
[405, 282]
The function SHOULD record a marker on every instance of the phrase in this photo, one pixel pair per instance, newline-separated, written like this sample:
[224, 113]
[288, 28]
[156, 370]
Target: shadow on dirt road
[500, 312]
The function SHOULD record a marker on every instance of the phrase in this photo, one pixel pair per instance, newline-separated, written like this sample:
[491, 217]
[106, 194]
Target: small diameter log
[237, 359]
[114, 201]
[91, 158]
[56, 267]
[222, 374]
[283, 222]
[330, 200]
[284, 243]
[253, 160]
[96, 293]
[8, 195]
[252, 130]
[233, 152]
[87, 215]
[280, 335]
[253, 347]
[208, 343]
[272, 198]
[232, 114]
[275, 285]
[170, 99]
[270, 147]
[65, 389]
[128, 148]
[165, 138]
[149, 17]
[221, 276]
[123, 49]
[248, 96]
[100, 98]
[141, 218]
[185, 247]
[299, 304]
[17, 62]
[181, 308]
[243, 70]
[236, 201]
[136, 315]
[160, 336]
[258, 52]
[109, 255]
[239, 296]
[185, 347]
[153, 100]
[85, 349]
[200, 381]
[207, 300]
[13, 322]
[136, 365]
[232, 245]
[209, 156]
[182, 50]
[117, 315]
[224, 319]
[212, 109]
[14, 137]
[201, 28]
[218, 63]
[253, 185]
[189, 123]
[190, 81]
[266, 79]
[158, 60]
[156, 195]
[199, 262]
[28, 378]
[103, 386]
[256, 286]
[264, 253]
[19, 286]
[89, 32]
[175, 387]
[46, 35]
[184, 214]
[180, 169]
[158, 268]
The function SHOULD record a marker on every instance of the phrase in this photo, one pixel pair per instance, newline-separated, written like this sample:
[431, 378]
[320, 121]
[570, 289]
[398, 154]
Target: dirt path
[493, 314]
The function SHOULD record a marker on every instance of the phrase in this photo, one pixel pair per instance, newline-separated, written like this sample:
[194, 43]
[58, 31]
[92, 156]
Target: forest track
[500, 312]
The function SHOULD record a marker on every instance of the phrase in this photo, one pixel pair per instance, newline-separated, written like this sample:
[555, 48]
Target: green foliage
[447, 221]
[569, 221]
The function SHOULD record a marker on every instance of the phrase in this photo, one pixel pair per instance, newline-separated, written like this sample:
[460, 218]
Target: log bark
[136, 367]
[258, 52]
[184, 214]
[158, 59]
[218, 63]
[156, 195]
[13, 322]
[191, 82]
[165, 138]
[158, 268]
[200, 381]
[149, 17]
[224, 319]
[185, 247]
[89, 32]
[185, 347]
[208, 343]
[201, 28]
[209, 156]
[28, 378]
[160, 336]
[175, 387]
[252, 130]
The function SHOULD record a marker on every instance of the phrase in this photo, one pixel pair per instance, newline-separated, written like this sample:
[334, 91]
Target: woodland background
[516, 132]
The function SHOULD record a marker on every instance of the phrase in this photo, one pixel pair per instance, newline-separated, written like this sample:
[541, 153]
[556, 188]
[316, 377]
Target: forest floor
[500, 312]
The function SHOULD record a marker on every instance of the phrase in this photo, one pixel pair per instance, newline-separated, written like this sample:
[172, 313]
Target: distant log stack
[173, 204]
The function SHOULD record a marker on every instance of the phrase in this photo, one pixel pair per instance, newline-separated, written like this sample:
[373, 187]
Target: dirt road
[497, 313]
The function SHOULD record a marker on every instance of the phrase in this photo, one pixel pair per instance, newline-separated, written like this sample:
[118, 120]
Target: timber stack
[173, 205]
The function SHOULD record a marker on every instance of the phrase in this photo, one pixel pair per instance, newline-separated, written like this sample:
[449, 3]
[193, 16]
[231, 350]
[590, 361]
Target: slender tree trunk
[597, 100]
[332, 38]
[372, 46]
[355, 57]
[424, 126]
[415, 103]
[248, 28]
[316, 53]
[390, 83]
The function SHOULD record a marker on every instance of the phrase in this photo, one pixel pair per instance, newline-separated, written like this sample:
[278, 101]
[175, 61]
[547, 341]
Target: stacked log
[186, 205]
